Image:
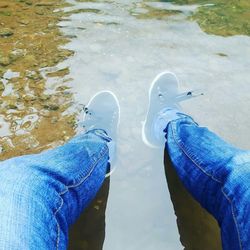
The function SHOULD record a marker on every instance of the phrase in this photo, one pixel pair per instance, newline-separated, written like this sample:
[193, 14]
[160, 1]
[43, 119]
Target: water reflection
[88, 233]
[197, 228]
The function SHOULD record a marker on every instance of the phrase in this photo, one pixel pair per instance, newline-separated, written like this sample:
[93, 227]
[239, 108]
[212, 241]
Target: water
[121, 46]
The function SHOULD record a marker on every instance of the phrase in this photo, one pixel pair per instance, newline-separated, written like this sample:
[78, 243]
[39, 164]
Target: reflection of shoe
[163, 107]
[103, 112]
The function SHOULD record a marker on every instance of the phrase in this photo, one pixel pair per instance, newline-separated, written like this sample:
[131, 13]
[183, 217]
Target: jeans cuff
[100, 133]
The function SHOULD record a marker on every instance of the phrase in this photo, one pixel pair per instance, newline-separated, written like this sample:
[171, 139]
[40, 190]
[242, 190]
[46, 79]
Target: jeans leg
[42, 195]
[216, 174]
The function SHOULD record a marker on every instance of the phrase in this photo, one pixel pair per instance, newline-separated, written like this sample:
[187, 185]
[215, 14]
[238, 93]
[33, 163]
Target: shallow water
[32, 120]
[121, 46]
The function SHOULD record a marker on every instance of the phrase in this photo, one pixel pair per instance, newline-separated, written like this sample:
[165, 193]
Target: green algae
[153, 13]
[157, 14]
[59, 73]
[86, 10]
[225, 19]
[221, 17]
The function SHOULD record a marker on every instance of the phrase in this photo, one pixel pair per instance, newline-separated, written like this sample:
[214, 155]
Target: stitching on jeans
[186, 153]
[234, 217]
[72, 186]
[197, 165]
[58, 233]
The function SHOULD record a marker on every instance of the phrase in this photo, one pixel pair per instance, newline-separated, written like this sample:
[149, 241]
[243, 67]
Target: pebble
[11, 106]
[28, 97]
[51, 107]
[54, 120]
[5, 61]
[16, 54]
[45, 4]
[2, 86]
[28, 2]
[3, 5]
[24, 22]
[44, 97]
[5, 32]
[39, 12]
[44, 64]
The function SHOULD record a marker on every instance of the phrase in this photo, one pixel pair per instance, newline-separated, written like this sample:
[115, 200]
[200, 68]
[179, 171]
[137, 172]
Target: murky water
[120, 46]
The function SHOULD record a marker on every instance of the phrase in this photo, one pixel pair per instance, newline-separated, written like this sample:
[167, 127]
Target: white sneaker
[163, 107]
[103, 112]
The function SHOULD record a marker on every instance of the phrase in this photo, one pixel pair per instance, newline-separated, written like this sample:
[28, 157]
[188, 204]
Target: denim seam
[234, 217]
[187, 154]
[210, 176]
[72, 186]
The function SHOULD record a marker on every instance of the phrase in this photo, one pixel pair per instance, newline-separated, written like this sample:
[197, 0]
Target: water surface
[121, 46]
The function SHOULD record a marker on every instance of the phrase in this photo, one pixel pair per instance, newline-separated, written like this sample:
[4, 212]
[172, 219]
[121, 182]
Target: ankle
[163, 118]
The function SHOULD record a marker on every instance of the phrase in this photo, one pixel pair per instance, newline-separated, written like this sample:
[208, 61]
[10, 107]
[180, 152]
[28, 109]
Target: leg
[216, 174]
[43, 194]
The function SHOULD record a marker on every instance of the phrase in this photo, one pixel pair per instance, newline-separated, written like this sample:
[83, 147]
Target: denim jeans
[41, 195]
[216, 174]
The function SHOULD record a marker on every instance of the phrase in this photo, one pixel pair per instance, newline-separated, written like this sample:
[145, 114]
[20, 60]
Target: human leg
[42, 195]
[216, 174]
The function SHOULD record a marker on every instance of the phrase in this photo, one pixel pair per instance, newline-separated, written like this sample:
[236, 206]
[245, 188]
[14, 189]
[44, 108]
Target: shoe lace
[181, 97]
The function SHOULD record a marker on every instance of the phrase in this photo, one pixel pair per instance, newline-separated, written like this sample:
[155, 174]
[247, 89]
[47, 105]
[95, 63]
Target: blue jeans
[42, 195]
[216, 174]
